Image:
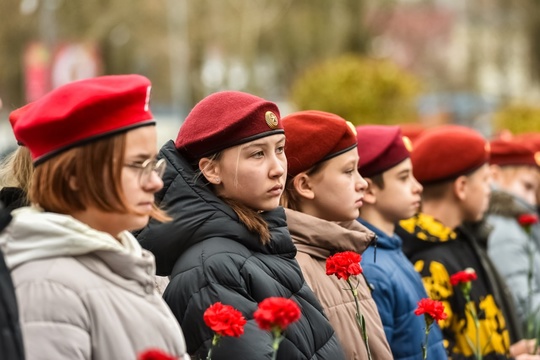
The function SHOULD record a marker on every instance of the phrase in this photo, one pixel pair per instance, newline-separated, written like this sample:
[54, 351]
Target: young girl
[229, 241]
[84, 285]
[324, 187]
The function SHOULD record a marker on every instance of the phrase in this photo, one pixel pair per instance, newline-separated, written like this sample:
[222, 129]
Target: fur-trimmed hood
[505, 204]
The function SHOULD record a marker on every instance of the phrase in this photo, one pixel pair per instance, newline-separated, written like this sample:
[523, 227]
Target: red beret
[83, 111]
[512, 151]
[225, 119]
[380, 148]
[15, 115]
[412, 130]
[530, 139]
[447, 152]
[315, 136]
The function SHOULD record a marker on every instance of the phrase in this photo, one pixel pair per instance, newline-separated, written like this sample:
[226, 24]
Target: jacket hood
[198, 214]
[507, 205]
[320, 238]
[34, 234]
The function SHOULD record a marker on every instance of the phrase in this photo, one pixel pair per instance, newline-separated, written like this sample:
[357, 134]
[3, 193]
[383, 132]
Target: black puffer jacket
[212, 257]
[11, 342]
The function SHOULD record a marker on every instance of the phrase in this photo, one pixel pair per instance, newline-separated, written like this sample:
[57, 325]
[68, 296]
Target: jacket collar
[321, 238]
[383, 240]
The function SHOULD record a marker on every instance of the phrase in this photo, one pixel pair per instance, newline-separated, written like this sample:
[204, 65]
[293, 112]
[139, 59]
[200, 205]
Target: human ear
[210, 170]
[302, 185]
[72, 182]
[459, 186]
[496, 173]
[370, 195]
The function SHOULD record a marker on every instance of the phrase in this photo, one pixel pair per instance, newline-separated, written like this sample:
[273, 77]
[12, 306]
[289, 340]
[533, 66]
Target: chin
[139, 223]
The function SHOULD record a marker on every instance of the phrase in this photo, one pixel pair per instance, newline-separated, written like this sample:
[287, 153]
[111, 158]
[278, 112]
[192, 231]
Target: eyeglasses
[146, 169]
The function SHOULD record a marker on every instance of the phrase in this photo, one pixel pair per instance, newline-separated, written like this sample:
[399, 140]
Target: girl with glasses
[84, 285]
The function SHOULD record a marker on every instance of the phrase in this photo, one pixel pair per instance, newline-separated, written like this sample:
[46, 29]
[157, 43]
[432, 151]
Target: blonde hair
[97, 168]
[16, 169]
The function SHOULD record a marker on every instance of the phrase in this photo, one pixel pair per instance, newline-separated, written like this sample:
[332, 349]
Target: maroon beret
[512, 151]
[225, 119]
[83, 111]
[380, 148]
[15, 115]
[315, 136]
[447, 152]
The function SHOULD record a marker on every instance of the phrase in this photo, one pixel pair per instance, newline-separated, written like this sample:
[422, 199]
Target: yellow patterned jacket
[438, 252]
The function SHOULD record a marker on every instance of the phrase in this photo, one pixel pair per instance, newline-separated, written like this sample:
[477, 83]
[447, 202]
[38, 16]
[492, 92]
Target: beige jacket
[316, 239]
[83, 294]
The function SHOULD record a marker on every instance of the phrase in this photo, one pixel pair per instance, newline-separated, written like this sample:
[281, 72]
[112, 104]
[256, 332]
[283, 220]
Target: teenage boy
[393, 194]
[451, 162]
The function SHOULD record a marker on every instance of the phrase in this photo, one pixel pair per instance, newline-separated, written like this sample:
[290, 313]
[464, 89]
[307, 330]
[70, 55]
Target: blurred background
[420, 63]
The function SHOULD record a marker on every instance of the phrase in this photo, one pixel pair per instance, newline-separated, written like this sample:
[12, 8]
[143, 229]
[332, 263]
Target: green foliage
[361, 90]
[518, 119]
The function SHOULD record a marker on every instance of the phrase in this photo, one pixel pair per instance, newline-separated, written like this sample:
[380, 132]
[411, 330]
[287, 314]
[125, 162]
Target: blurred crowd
[115, 246]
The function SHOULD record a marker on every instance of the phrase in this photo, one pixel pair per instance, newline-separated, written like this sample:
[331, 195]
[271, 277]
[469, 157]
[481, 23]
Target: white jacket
[83, 294]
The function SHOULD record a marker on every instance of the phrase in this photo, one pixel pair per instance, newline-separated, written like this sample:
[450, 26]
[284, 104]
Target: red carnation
[276, 312]
[433, 308]
[224, 320]
[463, 277]
[155, 354]
[527, 219]
[344, 264]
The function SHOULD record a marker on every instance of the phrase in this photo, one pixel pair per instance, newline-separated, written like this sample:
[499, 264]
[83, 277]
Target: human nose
[361, 183]
[417, 187]
[153, 182]
[278, 167]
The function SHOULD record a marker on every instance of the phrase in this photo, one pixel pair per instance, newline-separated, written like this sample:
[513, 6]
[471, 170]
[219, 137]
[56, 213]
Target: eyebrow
[260, 143]
[141, 157]
[403, 172]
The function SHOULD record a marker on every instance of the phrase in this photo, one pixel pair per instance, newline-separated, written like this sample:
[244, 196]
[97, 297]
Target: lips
[276, 190]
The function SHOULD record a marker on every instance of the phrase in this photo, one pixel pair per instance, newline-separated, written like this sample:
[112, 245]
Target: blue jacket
[397, 288]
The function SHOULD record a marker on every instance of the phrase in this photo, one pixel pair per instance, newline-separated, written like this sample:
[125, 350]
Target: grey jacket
[83, 294]
[509, 248]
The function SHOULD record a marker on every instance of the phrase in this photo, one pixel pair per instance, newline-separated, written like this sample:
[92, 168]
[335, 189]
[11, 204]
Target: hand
[523, 347]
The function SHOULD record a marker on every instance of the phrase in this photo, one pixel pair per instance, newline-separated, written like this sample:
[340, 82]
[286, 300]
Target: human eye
[280, 149]
[257, 154]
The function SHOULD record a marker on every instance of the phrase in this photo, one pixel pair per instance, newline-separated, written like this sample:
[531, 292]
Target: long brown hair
[251, 219]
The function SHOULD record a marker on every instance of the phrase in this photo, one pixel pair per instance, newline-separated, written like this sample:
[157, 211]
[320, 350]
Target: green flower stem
[472, 309]
[278, 337]
[360, 320]
[215, 340]
[425, 344]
